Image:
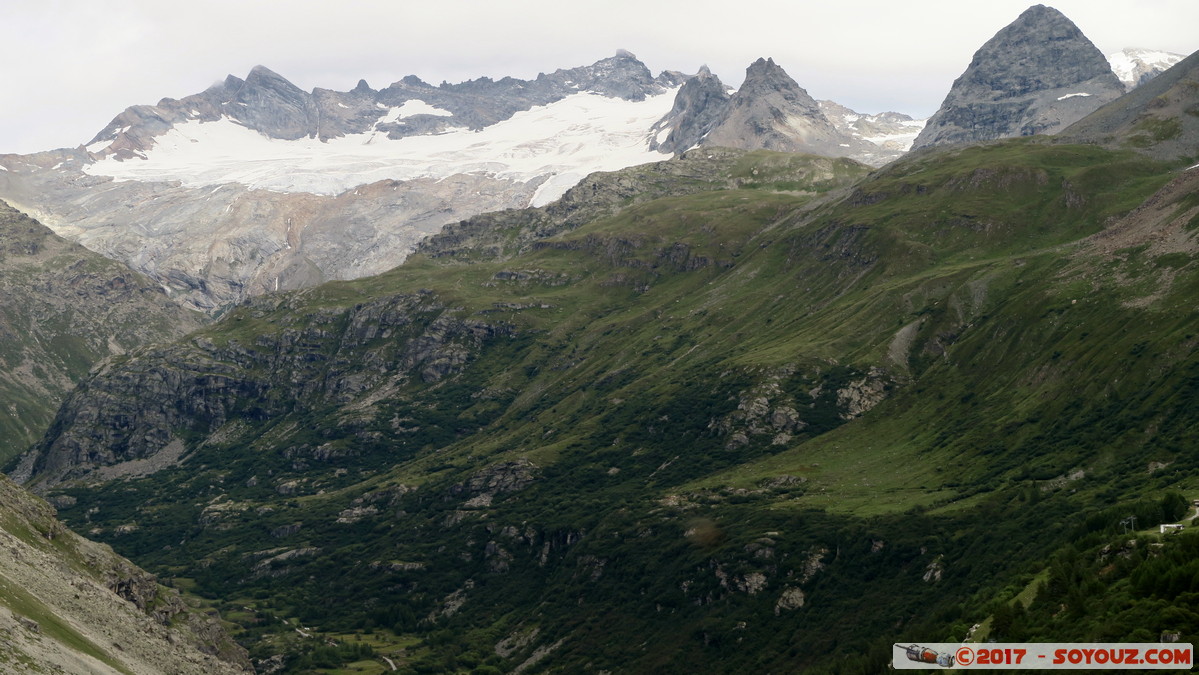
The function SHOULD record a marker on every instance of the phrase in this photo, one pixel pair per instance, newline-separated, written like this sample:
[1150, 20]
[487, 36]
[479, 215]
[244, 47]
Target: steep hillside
[1159, 119]
[62, 310]
[695, 432]
[70, 605]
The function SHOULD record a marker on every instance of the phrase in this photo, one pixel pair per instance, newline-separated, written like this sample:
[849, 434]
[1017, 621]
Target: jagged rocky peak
[621, 75]
[771, 111]
[270, 104]
[698, 106]
[274, 106]
[764, 77]
[1136, 66]
[1036, 76]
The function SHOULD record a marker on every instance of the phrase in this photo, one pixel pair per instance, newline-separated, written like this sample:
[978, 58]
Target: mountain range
[734, 410]
[255, 185]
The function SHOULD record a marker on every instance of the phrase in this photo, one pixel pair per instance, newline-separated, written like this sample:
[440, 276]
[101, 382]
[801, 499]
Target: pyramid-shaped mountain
[1036, 76]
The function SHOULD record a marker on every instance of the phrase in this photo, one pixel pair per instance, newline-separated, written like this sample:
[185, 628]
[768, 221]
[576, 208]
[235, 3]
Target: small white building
[1171, 528]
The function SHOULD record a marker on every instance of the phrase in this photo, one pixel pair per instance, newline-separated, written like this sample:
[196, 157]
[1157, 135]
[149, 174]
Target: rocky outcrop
[787, 403]
[699, 106]
[108, 616]
[485, 485]
[63, 309]
[139, 408]
[771, 111]
[1036, 76]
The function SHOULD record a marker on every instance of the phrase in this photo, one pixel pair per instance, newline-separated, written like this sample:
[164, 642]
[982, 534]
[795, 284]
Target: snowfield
[561, 142]
[1126, 64]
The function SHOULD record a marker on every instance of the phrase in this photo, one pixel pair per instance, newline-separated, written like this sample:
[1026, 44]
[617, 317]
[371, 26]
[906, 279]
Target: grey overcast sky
[70, 66]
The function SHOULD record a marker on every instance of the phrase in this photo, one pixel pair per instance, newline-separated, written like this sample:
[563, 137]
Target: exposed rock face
[215, 241]
[109, 616]
[1036, 76]
[135, 412]
[213, 247]
[484, 485]
[64, 308]
[771, 111]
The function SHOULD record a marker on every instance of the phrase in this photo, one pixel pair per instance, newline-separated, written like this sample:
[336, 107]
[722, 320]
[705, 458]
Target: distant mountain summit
[1135, 66]
[1036, 76]
[700, 105]
[268, 103]
[772, 112]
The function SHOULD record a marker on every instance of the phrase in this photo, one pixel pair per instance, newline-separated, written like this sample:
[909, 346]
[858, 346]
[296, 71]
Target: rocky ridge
[194, 388]
[63, 309]
[770, 111]
[1036, 76]
[504, 234]
[211, 248]
[268, 103]
[72, 605]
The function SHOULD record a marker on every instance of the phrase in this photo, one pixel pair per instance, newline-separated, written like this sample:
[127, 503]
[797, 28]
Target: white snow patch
[904, 140]
[1063, 98]
[566, 140]
[409, 109]
[419, 107]
[662, 135]
[98, 146]
[1189, 168]
[342, 105]
[3, 168]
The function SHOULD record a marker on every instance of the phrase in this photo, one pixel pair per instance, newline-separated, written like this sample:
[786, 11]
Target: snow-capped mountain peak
[560, 142]
[1136, 66]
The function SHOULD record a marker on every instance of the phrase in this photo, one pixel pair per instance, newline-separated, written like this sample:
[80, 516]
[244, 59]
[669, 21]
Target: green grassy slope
[702, 432]
[62, 310]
